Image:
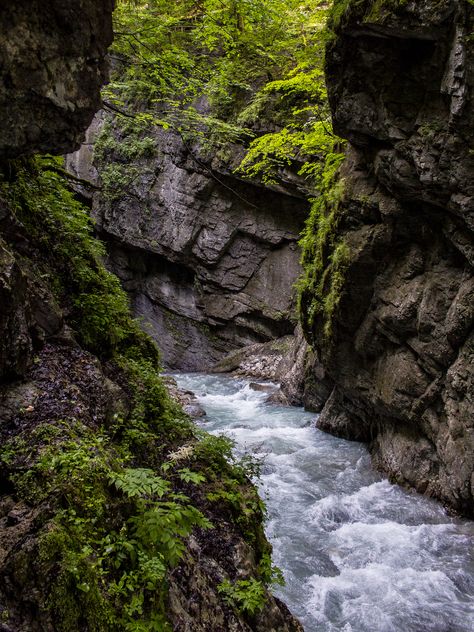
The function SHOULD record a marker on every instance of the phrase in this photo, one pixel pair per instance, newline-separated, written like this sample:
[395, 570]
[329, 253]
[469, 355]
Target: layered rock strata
[208, 260]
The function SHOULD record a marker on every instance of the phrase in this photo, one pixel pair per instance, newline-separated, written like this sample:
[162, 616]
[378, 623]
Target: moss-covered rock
[109, 491]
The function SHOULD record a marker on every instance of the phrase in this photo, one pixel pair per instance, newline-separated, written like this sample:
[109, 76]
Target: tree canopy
[213, 69]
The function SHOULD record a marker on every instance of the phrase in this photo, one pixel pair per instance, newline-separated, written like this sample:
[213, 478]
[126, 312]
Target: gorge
[279, 189]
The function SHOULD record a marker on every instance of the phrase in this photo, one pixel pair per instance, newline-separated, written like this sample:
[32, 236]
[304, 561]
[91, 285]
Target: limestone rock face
[52, 66]
[208, 260]
[400, 361]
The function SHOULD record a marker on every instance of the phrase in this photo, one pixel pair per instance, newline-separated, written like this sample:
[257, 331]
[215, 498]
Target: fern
[140, 482]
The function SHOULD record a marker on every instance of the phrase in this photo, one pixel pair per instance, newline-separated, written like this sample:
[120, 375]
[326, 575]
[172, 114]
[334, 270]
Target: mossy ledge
[117, 513]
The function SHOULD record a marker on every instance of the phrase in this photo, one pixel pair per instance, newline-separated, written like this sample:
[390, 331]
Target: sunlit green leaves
[167, 56]
[140, 482]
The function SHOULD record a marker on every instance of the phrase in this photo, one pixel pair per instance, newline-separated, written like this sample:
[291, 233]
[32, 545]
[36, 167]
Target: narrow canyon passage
[358, 554]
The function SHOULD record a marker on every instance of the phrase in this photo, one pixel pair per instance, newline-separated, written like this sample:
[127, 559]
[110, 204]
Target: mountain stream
[358, 554]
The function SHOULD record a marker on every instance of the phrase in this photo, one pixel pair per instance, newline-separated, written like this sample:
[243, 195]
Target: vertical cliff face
[399, 359]
[52, 65]
[209, 261]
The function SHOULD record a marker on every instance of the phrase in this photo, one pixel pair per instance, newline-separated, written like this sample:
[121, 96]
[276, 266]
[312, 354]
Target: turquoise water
[358, 554]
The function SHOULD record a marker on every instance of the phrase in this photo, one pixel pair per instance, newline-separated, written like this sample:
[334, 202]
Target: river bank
[358, 554]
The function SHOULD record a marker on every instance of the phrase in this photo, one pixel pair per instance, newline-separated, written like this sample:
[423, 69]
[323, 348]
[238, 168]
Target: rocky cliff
[208, 260]
[113, 512]
[397, 358]
[52, 66]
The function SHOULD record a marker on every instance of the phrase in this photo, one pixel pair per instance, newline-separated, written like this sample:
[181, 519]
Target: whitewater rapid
[358, 554]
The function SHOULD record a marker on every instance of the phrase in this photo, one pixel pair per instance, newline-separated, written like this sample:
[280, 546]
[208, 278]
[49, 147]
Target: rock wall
[52, 66]
[208, 260]
[400, 361]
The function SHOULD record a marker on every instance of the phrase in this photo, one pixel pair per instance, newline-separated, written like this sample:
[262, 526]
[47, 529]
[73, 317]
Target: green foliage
[61, 228]
[305, 138]
[249, 596]
[245, 595]
[207, 70]
[119, 147]
[156, 422]
[114, 528]
[365, 10]
[193, 67]
[188, 476]
[338, 12]
[113, 558]
[325, 257]
[216, 451]
[141, 482]
[269, 574]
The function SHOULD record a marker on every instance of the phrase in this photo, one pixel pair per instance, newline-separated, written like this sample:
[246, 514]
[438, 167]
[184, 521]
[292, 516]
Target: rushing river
[358, 554]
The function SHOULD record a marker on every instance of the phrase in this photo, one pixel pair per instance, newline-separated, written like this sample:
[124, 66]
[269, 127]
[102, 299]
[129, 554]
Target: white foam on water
[358, 554]
[381, 597]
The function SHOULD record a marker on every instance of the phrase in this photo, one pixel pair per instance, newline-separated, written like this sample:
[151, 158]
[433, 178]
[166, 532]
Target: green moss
[62, 232]
[118, 149]
[245, 595]
[114, 528]
[325, 257]
[338, 13]
[380, 9]
[363, 10]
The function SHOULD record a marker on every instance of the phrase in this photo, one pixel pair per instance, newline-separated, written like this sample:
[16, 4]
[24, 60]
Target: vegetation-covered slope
[109, 495]
[104, 477]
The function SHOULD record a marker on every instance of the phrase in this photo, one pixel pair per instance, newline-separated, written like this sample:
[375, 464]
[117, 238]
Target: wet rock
[290, 362]
[262, 388]
[187, 399]
[293, 369]
[399, 366]
[278, 398]
[195, 604]
[340, 418]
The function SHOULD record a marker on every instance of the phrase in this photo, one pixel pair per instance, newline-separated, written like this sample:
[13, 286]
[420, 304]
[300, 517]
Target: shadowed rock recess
[96, 534]
[52, 66]
[209, 261]
[399, 360]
